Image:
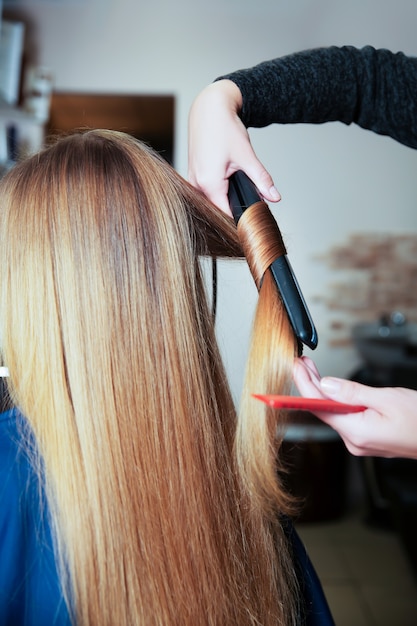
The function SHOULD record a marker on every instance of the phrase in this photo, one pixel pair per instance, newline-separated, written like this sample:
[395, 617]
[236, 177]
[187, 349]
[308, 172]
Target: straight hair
[165, 505]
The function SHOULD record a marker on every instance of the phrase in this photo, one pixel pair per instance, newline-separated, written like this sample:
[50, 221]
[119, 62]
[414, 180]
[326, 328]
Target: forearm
[372, 88]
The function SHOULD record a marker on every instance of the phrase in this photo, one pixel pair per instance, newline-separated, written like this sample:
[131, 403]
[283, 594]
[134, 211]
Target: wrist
[229, 93]
[222, 95]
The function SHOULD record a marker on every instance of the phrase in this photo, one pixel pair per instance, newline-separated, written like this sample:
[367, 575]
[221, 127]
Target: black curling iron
[242, 195]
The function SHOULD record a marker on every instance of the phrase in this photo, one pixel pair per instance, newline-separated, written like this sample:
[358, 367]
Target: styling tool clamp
[308, 404]
[243, 194]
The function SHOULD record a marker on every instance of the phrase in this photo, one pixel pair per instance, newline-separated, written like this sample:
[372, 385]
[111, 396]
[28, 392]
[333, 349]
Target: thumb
[347, 391]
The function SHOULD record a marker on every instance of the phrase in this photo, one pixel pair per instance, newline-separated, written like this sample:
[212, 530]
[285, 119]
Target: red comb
[307, 404]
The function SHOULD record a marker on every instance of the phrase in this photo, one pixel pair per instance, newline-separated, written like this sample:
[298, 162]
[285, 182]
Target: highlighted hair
[161, 514]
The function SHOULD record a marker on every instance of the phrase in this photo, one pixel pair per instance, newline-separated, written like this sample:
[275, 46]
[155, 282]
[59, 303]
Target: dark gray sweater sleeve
[376, 89]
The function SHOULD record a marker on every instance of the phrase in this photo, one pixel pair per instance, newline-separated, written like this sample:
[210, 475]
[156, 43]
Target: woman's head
[113, 360]
[99, 224]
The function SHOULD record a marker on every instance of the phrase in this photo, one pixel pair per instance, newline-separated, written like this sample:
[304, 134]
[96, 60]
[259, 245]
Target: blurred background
[336, 181]
[348, 216]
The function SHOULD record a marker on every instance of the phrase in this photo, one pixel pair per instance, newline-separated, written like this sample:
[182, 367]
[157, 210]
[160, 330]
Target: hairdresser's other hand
[219, 145]
[387, 428]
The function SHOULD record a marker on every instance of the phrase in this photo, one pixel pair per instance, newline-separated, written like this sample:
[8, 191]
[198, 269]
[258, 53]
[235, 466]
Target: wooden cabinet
[147, 117]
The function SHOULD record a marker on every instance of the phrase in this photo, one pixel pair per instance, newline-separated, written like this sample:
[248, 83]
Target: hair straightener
[242, 195]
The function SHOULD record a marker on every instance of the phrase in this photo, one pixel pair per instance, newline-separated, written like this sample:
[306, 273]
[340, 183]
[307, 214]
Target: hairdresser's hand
[219, 145]
[387, 428]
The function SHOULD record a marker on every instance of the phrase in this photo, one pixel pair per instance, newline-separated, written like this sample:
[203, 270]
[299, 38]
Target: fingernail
[275, 195]
[330, 386]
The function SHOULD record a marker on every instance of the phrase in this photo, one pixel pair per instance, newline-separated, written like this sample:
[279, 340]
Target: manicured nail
[275, 195]
[330, 386]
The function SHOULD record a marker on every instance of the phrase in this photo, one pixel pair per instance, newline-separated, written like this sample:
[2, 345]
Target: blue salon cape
[30, 592]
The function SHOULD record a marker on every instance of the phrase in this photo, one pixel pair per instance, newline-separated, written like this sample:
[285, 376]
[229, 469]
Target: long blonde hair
[113, 360]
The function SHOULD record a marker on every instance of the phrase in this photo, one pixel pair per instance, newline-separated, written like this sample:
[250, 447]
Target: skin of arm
[388, 427]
